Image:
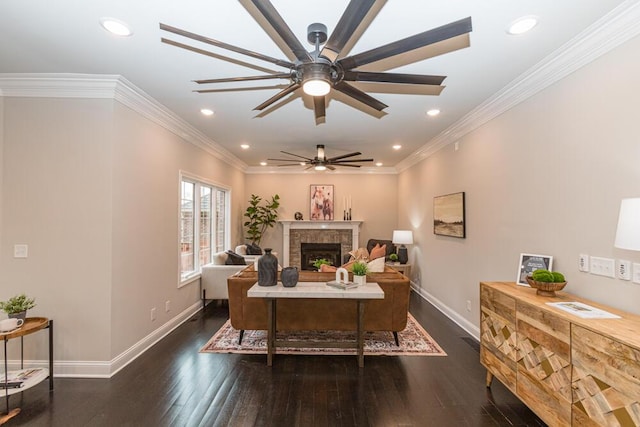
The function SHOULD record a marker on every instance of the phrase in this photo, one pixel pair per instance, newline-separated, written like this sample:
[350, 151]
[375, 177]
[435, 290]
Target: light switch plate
[603, 266]
[636, 273]
[20, 251]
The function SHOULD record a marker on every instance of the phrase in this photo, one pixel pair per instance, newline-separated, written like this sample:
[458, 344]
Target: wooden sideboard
[567, 369]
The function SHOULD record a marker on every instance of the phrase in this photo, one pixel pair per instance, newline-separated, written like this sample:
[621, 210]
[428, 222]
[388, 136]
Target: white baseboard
[108, 368]
[459, 320]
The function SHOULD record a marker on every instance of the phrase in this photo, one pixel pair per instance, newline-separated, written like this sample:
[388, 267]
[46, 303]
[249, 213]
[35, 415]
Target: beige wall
[92, 187]
[546, 177]
[374, 200]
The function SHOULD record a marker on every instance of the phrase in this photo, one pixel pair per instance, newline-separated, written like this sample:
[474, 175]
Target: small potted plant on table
[546, 282]
[394, 259]
[17, 306]
[360, 272]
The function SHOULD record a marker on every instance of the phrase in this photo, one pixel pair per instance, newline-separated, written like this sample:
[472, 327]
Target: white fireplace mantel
[288, 225]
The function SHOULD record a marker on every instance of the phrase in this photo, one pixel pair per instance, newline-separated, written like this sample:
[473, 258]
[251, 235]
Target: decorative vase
[360, 280]
[20, 315]
[268, 269]
[289, 276]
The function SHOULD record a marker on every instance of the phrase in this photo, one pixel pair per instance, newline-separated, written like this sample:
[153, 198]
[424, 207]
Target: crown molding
[112, 87]
[261, 170]
[609, 32]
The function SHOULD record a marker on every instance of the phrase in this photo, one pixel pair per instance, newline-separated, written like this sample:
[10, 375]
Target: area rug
[414, 341]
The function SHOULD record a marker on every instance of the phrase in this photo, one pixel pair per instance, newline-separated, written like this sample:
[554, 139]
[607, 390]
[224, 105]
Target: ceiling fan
[319, 71]
[320, 162]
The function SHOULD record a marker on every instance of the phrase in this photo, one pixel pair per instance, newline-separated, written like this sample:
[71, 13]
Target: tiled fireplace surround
[294, 233]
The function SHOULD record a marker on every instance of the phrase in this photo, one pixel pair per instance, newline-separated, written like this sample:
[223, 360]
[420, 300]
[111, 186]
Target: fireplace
[295, 233]
[314, 251]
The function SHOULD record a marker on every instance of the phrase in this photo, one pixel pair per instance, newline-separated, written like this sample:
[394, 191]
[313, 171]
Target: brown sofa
[388, 314]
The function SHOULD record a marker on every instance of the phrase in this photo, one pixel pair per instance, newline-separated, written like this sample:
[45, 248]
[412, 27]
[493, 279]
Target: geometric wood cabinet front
[567, 369]
[544, 370]
[606, 380]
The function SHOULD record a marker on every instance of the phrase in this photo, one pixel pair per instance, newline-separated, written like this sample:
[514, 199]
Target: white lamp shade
[628, 233]
[402, 237]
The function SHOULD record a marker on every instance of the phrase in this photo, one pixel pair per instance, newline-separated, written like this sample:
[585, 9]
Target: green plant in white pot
[360, 272]
[17, 306]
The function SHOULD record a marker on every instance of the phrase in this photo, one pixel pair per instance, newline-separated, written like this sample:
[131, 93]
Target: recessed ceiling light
[522, 25]
[263, 163]
[116, 27]
[379, 164]
[397, 147]
[433, 112]
[244, 146]
[207, 112]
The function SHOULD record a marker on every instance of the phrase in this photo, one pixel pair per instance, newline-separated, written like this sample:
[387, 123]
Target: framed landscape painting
[448, 215]
[321, 206]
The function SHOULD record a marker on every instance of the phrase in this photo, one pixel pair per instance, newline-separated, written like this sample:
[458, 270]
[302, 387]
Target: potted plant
[17, 306]
[260, 217]
[546, 282]
[360, 272]
[394, 258]
[319, 262]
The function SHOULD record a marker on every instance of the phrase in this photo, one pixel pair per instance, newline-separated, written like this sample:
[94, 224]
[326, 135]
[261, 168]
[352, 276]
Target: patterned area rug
[414, 341]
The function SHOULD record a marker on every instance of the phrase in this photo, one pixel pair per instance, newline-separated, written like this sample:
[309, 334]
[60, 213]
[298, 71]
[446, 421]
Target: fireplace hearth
[310, 252]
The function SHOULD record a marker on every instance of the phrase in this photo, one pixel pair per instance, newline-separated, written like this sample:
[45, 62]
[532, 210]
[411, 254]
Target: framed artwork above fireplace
[321, 202]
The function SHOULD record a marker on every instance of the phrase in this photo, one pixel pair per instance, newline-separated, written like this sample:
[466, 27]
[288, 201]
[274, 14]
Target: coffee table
[315, 290]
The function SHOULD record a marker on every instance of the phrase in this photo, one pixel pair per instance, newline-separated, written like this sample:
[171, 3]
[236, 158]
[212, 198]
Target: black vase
[268, 269]
[289, 277]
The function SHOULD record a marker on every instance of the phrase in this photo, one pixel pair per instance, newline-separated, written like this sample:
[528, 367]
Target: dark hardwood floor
[174, 385]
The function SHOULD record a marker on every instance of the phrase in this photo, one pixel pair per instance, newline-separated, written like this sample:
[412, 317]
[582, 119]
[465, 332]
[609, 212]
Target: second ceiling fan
[320, 162]
[321, 70]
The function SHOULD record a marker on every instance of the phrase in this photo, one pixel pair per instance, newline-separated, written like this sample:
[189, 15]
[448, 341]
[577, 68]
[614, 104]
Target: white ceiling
[40, 36]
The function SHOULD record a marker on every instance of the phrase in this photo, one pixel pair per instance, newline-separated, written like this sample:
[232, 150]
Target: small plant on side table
[320, 262]
[546, 282]
[17, 306]
[360, 272]
[393, 257]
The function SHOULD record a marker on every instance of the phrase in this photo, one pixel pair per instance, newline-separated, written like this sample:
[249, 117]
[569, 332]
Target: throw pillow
[324, 268]
[234, 259]
[376, 266]
[220, 258]
[378, 251]
[253, 249]
[359, 254]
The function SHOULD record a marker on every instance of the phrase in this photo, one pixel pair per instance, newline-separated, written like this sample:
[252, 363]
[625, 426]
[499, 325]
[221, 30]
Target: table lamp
[628, 232]
[402, 238]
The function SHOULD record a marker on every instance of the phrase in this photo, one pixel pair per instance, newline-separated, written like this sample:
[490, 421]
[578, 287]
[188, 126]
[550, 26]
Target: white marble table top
[371, 290]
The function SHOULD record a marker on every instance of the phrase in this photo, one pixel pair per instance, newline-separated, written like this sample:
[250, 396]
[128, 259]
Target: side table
[31, 325]
[402, 268]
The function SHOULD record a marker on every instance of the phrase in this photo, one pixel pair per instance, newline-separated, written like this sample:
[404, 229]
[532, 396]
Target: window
[204, 223]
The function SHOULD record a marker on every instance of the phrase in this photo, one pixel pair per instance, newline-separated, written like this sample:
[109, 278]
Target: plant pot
[546, 289]
[289, 277]
[20, 315]
[360, 280]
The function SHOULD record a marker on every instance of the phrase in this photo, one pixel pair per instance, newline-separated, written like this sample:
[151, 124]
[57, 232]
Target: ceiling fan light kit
[320, 71]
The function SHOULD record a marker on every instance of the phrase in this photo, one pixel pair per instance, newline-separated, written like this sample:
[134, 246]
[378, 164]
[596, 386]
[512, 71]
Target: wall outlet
[636, 273]
[20, 251]
[153, 314]
[583, 263]
[603, 266]
[468, 305]
[167, 306]
[623, 269]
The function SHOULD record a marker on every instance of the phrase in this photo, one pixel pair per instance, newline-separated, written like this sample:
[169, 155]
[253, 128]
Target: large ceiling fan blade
[270, 20]
[319, 109]
[403, 89]
[215, 55]
[226, 46]
[350, 22]
[429, 37]
[359, 95]
[344, 156]
[330, 167]
[368, 76]
[239, 89]
[352, 161]
[284, 92]
[348, 166]
[245, 79]
[297, 155]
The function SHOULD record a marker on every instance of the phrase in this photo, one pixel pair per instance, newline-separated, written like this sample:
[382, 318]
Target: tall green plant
[260, 217]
